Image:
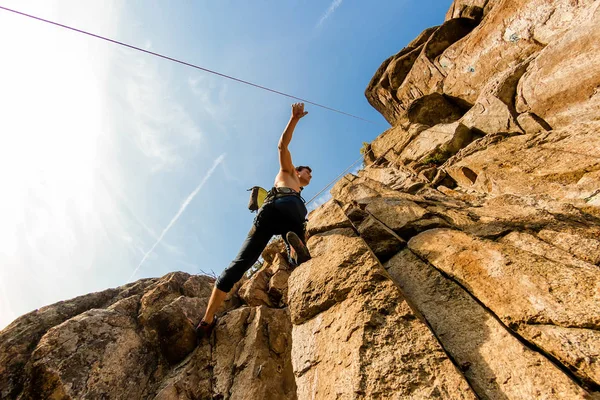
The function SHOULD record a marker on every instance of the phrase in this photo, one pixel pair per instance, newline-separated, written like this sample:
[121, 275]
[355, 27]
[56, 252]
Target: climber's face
[304, 175]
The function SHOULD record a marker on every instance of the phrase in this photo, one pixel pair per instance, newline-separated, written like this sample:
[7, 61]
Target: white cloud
[160, 125]
[135, 242]
[184, 205]
[332, 7]
[211, 96]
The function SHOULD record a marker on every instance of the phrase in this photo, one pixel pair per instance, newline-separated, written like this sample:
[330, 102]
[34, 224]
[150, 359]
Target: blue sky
[107, 153]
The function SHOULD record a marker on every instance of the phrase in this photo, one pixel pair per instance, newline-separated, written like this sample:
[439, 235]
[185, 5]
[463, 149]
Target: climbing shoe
[204, 329]
[302, 254]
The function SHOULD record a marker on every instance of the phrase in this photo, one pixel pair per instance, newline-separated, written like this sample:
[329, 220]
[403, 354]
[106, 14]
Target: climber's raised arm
[285, 157]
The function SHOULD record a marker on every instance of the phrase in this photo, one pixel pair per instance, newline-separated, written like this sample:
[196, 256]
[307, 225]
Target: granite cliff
[462, 262]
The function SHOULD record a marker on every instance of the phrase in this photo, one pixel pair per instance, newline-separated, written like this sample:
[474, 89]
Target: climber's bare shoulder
[287, 179]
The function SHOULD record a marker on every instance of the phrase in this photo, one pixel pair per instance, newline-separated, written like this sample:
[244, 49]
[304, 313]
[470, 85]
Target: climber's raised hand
[298, 111]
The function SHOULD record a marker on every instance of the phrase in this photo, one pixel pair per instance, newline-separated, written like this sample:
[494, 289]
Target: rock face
[463, 262]
[138, 341]
[355, 336]
[491, 358]
[574, 79]
[503, 261]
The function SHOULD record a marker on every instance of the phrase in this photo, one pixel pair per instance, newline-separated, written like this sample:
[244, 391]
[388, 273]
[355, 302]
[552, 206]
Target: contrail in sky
[187, 201]
[335, 4]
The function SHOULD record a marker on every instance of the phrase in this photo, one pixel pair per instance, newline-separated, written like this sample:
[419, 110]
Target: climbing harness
[259, 196]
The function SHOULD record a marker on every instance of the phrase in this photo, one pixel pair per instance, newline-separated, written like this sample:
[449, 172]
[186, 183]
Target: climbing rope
[340, 175]
[185, 63]
[221, 75]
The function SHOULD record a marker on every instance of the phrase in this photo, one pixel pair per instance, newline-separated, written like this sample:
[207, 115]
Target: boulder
[98, 353]
[560, 164]
[462, 8]
[252, 355]
[582, 243]
[328, 277]
[191, 379]
[174, 329]
[574, 79]
[394, 69]
[395, 213]
[273, 248]
[496, 364]
[520, 287]
[412, 74]
[530, 294]
[328, 216]
[20, 338]
[398, 177]
[354, 336]
[494, 110]
[502, 40]
[278, 287]
[278, 284]
[383, 241]
[531, 123]
[435, 145]
[426, 77]
[165, 291]
[392, 142]
[433, 109]
[255, 291]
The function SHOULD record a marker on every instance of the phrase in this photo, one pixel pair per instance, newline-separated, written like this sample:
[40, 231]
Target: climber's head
[304, 174]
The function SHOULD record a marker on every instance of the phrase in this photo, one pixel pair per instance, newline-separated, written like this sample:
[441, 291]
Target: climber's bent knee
[225, 282]
[255, 242]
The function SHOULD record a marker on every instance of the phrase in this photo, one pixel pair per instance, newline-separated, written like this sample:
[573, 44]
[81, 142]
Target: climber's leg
[255, 243]
[295, 239]
[257, 239]
[292, 228]
[208, 322]
[216, 299]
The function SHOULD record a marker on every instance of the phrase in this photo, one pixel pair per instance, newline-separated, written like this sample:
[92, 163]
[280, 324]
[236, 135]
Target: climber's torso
[286, 179]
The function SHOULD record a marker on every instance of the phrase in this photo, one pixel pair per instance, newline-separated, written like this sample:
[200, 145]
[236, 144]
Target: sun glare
[53, 131]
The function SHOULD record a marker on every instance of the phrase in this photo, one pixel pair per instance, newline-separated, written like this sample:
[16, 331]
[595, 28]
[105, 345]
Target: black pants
[277, 218]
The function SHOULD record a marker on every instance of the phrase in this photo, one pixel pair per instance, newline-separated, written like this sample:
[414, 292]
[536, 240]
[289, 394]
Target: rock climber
[283, 213]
